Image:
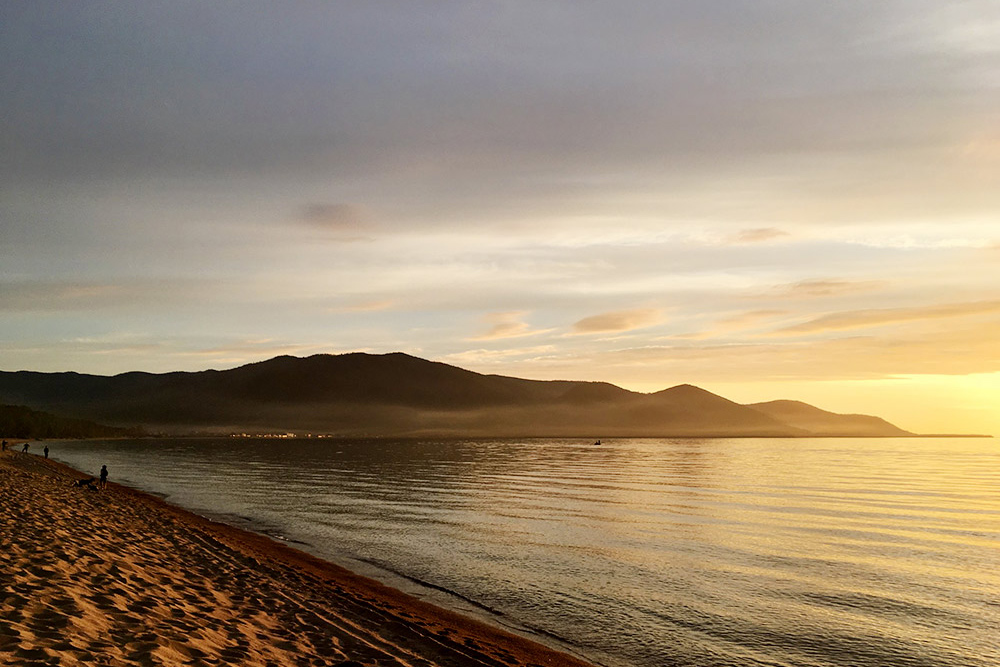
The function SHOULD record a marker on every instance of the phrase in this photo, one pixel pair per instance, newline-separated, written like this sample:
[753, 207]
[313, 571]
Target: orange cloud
[500, 361]
[746, 320]
[365, 306]
[338, 217]
[828, 287]
[951, 351]
[750, 318]
[758, 235]
[621, 320]
[509, 325]
[863, 319]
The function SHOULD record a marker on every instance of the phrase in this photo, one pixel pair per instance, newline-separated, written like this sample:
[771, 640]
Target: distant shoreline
[453, 436]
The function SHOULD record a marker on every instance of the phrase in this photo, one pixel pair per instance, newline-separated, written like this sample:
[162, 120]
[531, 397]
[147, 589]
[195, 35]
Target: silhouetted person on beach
[24, 450]
[5, 445]
[104, 476]
[46, 450]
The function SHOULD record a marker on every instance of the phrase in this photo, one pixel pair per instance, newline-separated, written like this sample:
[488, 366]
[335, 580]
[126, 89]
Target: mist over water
[804, 552]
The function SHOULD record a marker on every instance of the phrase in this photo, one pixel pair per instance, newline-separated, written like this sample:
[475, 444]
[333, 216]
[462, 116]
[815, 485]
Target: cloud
[115, 352]
[64, 296]
[354, 89]
[49, 296]
[758, 235]
[750, 318]
[509, 325]
[864, 319]
[958, 351]
[336, 217]
[621, 320]
[746, 320]
[497, 361]
[828, 287]
[248, 351]
[365, 306]
[124, 351]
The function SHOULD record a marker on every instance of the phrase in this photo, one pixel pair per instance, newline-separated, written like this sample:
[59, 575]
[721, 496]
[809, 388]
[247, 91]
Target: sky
[768, 199]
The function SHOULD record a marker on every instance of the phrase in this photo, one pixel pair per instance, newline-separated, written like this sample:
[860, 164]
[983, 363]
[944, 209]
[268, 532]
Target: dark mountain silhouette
[823, 423]
[390, 394]
[17, 421]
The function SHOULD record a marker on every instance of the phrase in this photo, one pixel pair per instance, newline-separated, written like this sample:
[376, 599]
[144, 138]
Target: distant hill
[397, 394]
[823, 423]
[17, 421]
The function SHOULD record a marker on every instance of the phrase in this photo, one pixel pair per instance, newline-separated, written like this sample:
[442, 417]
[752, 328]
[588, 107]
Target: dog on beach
[87, 483]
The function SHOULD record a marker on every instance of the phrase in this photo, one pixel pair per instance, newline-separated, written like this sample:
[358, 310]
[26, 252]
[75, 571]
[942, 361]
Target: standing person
[104, 476]
[46, 450]
[24, 450]
[5, 445]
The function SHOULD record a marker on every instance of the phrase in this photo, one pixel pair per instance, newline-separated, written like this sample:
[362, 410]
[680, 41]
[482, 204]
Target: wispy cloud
[827, 287]
[123, 351]
[365, 306]
[334, 215]
[125, 343]
[738, 322]
[54, 296]
[617, 321]
[949, 351]
[49, 296]
[508, 325]
[247, 351]
[758, 235]
[499, 360]
[864, 319]
[349, 222]
[750, 318]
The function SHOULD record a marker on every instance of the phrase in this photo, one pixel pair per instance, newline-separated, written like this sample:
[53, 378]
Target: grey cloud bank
[127, 91]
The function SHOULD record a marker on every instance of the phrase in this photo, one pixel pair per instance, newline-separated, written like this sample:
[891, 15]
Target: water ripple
[784, 552]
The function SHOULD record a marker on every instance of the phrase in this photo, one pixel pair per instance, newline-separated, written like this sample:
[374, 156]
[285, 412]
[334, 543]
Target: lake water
[805, 552]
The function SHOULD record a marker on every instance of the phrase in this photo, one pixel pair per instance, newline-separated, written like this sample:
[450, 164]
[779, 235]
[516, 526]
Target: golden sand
[119, 577]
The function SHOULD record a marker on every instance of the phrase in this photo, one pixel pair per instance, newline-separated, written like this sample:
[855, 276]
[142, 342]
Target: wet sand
[119, 577]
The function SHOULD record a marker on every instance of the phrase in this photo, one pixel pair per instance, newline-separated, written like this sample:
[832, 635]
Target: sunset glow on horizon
[778, 200]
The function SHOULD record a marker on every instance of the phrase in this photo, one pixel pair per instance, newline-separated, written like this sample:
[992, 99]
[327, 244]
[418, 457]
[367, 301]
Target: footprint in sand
[47, 624]
[9, 636]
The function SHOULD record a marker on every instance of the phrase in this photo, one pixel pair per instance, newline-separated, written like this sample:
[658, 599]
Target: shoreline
[123, 577]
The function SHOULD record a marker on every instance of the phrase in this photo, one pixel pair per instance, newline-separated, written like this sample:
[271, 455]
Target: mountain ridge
[397, 394]
[823, 423]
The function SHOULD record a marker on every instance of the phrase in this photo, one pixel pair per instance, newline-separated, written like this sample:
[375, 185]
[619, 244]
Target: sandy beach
[119, 577]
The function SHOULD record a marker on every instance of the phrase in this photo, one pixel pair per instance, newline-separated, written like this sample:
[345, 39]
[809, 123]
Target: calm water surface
[811, 552]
